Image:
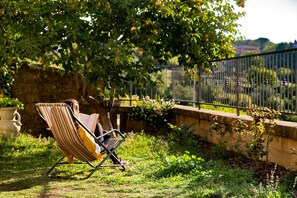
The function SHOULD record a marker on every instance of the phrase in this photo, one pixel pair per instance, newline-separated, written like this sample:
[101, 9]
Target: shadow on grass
[28, 180]
[18, 183]
[23, 172]
[24, 163]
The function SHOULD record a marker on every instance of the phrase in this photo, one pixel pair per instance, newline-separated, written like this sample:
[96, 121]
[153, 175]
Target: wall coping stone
[283, 129]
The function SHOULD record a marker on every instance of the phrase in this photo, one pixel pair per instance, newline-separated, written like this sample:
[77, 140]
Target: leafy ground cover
[159, 167]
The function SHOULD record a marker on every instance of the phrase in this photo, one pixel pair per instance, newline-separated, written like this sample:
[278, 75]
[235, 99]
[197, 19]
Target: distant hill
[260, 45]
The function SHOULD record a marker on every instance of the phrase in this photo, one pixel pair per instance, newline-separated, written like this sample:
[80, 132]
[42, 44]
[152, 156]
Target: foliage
[259, 145]
[163, 83]
[256, 147]
[262, 95]
[239, 127]
[231, 99]
[184, 164]
[112, 42]
[183, 92]
[6, 79]
[183, 135]
[276, 103]
[286, 74]
[245, 100]
[260, 76]
[291, 118]
[157, 113]
[11, 102]
[273, 186]
[211, 91]
[219, 128]
[216, 126]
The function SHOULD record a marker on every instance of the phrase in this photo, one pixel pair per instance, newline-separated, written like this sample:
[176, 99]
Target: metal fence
[259, 81]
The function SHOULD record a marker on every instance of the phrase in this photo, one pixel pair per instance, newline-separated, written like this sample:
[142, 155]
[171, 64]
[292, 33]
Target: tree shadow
[24, 183]
[23, 167]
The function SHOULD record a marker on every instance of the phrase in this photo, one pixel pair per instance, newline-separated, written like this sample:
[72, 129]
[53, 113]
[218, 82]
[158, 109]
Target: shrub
[11, 102]
[182, 165]
[256, 147]
[157, 113]
[275, 102]
[183, 92]
[183, 133]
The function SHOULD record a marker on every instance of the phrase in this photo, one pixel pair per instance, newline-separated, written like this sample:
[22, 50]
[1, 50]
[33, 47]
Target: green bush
[157, 113]
[275, 102]
[11, 102]
[209, 92]
[183, 135]
[183, 92]
[6, 79]
[182, 165]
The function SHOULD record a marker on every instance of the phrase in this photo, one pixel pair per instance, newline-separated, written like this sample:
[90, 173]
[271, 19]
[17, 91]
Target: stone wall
[280, 149]
[35, 85]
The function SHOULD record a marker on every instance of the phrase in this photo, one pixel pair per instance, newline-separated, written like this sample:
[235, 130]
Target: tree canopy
[110, 42]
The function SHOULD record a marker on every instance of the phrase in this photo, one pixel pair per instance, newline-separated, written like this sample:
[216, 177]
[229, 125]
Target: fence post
[199, 87]
[237, 87]
[131, 87]
[295, 65]
[194, 92]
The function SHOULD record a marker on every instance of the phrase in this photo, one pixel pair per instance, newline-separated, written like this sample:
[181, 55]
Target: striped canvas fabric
[61, 123]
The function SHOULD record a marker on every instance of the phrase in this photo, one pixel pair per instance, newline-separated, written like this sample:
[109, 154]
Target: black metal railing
[259, 81]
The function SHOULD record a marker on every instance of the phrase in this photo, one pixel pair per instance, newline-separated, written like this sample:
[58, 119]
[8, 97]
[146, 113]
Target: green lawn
[159, 167]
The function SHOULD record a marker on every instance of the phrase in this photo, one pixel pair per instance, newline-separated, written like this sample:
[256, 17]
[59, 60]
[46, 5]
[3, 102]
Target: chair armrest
[111, 131]
[106, 145]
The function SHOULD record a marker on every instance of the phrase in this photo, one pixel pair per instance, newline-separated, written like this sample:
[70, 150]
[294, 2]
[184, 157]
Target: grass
[283, 117]
[159, 167]
[223, 109]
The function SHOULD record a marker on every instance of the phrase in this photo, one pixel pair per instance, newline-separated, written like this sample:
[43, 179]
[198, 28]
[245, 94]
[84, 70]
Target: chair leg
[56, 164]
[95, 168]
[109, 153]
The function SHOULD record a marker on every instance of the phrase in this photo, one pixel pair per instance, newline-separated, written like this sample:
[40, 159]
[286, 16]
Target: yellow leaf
[240, 3]
[2, 12]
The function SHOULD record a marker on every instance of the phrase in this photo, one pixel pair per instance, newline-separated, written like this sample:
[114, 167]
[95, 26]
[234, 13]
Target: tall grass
[159, 167]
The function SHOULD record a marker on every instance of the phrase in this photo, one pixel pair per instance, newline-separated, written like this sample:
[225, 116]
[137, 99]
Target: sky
[272, 19]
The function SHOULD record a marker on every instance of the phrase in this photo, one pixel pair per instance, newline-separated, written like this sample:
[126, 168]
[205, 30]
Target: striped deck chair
[62, 123]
